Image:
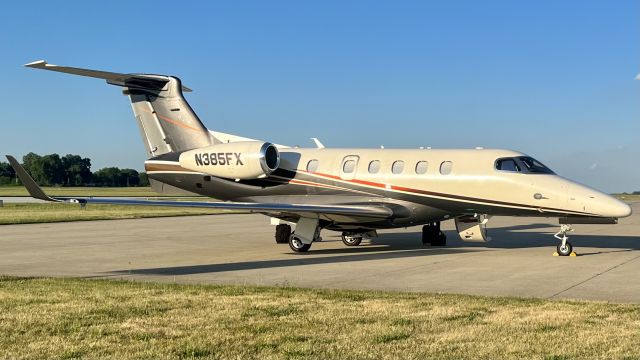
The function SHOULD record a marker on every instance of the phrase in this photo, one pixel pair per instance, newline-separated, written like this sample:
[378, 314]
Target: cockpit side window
[534, 166]
[507, 164]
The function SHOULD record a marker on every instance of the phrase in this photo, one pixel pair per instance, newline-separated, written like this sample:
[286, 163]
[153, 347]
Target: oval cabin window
[397, 167]
[312, 165]
[348, 166]
[421, 167]
[446, 167]
[374, 167]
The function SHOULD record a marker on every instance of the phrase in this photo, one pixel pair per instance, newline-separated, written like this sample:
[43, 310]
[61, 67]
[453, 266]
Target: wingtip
[37, 64]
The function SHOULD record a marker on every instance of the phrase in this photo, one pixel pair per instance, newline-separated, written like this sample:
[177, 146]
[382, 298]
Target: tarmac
[240, 249]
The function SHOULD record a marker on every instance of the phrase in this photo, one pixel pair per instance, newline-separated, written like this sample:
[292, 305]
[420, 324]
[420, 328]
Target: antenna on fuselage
[319, 145]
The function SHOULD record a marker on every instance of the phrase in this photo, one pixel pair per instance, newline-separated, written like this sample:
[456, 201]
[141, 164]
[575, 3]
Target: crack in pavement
[593, 277]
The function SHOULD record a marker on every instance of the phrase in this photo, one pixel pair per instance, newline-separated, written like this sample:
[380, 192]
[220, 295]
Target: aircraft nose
[622, 209]
[615, 208]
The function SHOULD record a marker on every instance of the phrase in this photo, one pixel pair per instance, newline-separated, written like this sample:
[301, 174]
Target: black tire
[427, 234]
[440, 240]
[353, 241]
[297, 245]
[283, 232]
[566, 250]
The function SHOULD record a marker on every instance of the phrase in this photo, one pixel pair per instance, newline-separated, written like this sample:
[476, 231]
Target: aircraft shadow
[512, 237]
[361, 253]
[408, 245]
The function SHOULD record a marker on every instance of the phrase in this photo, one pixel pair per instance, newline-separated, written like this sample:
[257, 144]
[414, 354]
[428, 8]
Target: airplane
[349, 190]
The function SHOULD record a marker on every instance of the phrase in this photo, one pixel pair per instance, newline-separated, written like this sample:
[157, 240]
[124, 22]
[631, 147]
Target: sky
[553, 79]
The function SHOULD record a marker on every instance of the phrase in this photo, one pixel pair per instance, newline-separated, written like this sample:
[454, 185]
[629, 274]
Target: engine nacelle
[243, 160]
[473, 228]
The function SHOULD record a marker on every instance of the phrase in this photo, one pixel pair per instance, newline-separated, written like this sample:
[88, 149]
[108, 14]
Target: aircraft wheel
[441, 239]
[283, 232]
[297, 245]
[565, 250]
[351, 239]
[427, 234]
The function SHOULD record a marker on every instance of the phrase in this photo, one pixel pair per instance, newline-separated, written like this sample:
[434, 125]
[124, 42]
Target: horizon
[554, 81]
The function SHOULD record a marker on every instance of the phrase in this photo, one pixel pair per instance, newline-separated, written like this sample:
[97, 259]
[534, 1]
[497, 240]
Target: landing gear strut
[564, 248]
[431, 234]
[307, 231]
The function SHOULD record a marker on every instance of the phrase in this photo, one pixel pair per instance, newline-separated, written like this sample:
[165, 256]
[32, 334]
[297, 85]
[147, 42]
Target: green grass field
[74, 318]
[53, 212]
[82, 191]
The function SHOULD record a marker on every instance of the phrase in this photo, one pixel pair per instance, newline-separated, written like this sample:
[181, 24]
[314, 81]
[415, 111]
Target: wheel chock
[573, 253]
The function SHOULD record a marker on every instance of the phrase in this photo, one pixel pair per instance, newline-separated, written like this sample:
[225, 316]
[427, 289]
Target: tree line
[71, 170]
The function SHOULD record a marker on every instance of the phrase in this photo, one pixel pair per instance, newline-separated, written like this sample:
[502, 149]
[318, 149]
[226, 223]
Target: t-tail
[166, 121]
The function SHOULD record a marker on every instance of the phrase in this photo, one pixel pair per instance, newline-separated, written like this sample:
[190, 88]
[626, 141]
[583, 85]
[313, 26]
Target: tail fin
[166, 121]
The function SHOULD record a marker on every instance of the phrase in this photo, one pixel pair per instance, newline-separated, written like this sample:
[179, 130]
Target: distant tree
[33, 164]
[53, 169]
[129, 177]
[77, 170]
[636, 193]
[7, 175]
[109, 176]
[144, 179]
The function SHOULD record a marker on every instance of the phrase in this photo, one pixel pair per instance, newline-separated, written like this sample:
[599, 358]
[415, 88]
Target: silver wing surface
[328, 212]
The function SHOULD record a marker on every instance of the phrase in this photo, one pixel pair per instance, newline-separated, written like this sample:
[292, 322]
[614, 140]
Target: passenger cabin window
[374, 167]
[446, 167]
[421, 167]
[507, 165]
[397, 167]
[349, 166]
[312, 165]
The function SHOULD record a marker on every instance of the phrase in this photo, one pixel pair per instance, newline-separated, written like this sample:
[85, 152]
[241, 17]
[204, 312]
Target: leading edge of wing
[377, 211]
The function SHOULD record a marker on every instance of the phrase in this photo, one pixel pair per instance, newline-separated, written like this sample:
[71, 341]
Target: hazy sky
[554, 79]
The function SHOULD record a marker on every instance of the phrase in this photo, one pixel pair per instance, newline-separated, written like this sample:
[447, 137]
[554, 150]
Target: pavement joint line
[593, 277]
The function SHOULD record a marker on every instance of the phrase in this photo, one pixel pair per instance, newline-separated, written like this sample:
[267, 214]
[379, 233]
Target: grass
[627, 197]
[29, 213]
[82, 191]
[74, 318]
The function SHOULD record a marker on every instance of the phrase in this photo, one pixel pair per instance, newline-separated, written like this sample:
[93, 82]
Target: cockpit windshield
[524, 164]
[534, 166]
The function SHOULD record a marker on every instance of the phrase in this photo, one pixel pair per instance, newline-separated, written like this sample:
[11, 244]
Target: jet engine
[243, 160]
[473, 228]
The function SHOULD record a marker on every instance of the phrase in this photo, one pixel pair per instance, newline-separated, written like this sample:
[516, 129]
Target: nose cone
[597, 203]
[616, 208]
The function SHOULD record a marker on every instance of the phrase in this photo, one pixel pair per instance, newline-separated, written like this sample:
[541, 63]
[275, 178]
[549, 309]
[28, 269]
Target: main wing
[328, 212]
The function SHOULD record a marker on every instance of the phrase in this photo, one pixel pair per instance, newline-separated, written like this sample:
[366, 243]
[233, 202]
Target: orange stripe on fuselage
[174, 122]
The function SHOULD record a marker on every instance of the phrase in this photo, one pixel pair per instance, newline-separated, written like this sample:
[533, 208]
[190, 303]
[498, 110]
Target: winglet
[28, 182]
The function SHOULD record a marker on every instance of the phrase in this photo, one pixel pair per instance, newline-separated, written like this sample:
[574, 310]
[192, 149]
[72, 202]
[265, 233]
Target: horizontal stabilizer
[120, 79]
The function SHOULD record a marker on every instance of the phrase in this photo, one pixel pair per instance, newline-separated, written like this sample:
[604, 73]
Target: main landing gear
[283, 232]
[307, 231]
[431, 234]
[351, 238]
[564, 248]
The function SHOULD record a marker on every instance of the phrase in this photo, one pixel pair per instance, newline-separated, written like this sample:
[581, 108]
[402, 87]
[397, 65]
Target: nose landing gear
[564, 248]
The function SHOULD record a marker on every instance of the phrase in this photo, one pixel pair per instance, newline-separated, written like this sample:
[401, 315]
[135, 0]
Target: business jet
[352, 191]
